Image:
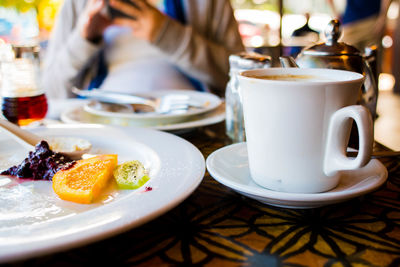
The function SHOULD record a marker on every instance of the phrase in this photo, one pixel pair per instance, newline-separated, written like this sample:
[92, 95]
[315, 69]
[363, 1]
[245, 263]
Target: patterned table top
[217, 227]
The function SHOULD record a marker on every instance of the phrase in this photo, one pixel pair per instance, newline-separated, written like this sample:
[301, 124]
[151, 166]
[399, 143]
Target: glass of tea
[23, 101]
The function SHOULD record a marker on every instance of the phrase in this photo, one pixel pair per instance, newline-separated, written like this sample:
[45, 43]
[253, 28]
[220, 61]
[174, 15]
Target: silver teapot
[338, 55]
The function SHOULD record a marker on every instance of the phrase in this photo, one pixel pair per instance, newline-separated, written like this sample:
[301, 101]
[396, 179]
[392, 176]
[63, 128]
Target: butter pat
[68, 144]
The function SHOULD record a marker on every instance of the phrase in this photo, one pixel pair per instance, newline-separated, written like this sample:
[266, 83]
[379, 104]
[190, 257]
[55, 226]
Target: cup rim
[297, 71]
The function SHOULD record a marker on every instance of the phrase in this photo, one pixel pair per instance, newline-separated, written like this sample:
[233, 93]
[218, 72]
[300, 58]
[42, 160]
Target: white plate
[207, 101]
[34, 221]
[77, 114]
[229, 166]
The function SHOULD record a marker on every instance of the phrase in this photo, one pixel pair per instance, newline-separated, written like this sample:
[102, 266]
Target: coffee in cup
[298, 123]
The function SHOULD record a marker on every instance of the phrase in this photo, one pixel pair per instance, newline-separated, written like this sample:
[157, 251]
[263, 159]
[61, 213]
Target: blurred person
[170, 44]
[306, 34]
[305, 29]
[363, 21]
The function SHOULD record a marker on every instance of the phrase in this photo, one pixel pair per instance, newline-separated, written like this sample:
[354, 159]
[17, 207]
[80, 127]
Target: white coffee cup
[297, 130]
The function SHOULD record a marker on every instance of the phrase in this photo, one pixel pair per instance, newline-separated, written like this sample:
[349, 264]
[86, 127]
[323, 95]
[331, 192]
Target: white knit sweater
[199, 49]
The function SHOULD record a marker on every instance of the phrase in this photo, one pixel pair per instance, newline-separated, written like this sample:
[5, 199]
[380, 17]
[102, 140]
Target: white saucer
[229, 166]
[77, 114]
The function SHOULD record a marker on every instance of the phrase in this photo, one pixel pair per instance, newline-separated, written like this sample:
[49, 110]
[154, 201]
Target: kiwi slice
[130, 175]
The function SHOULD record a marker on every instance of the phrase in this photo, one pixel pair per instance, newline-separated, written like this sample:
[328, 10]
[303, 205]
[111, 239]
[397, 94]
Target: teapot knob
[332, 32]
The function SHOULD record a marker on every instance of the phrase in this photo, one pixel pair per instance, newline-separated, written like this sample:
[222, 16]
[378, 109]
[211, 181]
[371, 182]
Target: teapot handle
[371, 56]
[370, 89]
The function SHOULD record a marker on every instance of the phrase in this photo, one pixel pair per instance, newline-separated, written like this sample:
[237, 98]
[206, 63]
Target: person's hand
[92, 22]
[146, 20]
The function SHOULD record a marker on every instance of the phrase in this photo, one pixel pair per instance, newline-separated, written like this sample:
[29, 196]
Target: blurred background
[266, 26]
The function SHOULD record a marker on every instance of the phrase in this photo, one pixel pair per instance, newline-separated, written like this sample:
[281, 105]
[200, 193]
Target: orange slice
[84, 181]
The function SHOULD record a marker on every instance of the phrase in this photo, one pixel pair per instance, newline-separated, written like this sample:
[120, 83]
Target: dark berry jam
[40, 164]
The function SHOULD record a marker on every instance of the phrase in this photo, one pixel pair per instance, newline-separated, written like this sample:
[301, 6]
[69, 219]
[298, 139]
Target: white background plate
[207, 101]
[34, 221]
[76, 114]
[229, 166]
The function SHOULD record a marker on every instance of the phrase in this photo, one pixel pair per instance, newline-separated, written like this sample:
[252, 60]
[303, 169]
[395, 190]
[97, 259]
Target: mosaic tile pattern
[217, 227]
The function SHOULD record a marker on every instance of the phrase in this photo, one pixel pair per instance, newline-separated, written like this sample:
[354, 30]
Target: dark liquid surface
[24, 110]
[285, 77]
[292, 77]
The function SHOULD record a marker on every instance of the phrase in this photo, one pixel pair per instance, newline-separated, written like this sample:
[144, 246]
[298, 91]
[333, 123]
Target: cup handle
[335, 153]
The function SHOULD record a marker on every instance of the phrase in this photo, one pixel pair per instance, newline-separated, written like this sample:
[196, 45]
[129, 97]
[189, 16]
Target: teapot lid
[332, 47]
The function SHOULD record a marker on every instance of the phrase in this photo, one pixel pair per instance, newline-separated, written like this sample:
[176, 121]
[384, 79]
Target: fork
[169, 103]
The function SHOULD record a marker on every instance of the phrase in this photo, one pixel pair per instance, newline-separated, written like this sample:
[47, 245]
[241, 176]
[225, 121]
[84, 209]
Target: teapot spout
[288, 62]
